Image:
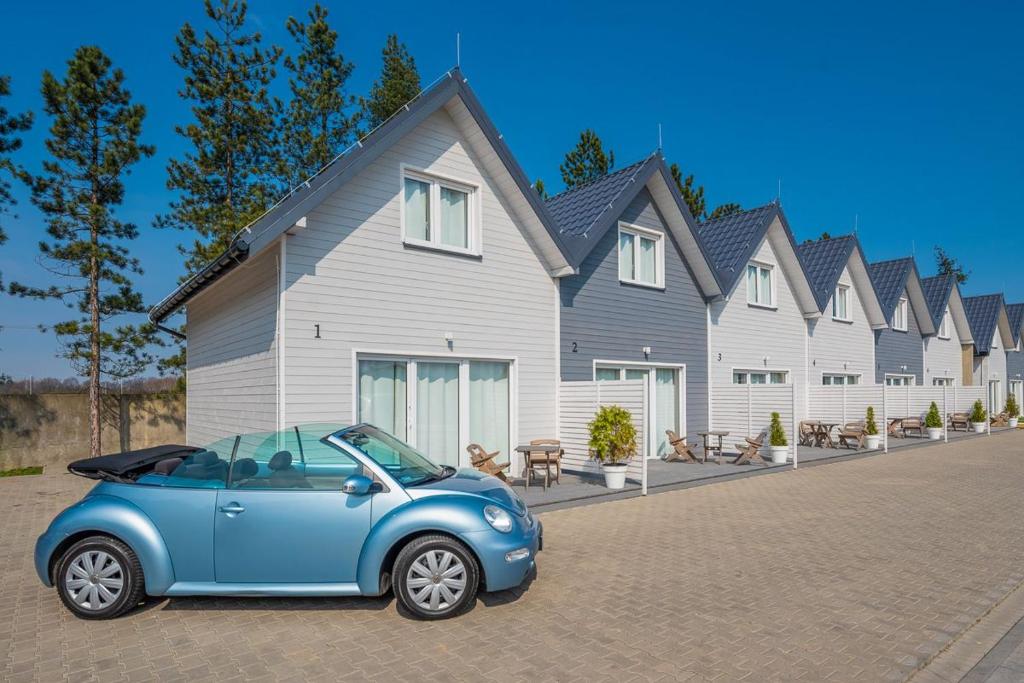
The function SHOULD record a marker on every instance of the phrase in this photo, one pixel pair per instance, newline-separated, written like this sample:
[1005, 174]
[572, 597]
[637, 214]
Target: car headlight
[498, 518]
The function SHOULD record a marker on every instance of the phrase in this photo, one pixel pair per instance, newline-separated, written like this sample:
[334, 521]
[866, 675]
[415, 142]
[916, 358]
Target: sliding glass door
[449, 405]
[664, 399]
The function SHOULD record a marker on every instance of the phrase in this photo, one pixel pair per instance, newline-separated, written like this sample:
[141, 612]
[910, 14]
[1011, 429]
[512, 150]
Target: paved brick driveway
[855, 570]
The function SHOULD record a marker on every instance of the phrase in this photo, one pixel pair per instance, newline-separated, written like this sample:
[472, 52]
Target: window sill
[767, 307]
[431, 246]
[848, 321]
[645, 285]
[939, 336]
[896, 329]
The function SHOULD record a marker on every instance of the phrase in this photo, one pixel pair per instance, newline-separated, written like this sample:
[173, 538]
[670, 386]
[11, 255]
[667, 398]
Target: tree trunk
[95, 423]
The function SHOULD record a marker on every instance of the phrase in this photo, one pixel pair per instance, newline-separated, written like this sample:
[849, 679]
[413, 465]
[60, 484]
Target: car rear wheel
[436, 577]
[99, 578]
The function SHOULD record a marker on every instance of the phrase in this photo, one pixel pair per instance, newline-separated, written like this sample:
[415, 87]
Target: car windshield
[407, 465]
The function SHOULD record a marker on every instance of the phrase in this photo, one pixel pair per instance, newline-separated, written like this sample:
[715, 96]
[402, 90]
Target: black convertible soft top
[117, 466]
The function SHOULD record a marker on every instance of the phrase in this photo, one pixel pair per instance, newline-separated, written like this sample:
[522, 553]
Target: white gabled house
[412, 284]
[993, 338]
[944, 351]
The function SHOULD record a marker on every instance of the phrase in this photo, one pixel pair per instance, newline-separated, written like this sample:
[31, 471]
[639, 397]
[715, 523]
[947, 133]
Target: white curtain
[666, 398]
[625, 256]
[437, 411]
[765, 293]
[382, 395]
[454, 218]
[648, 268]
[489, 406]
[417, 209]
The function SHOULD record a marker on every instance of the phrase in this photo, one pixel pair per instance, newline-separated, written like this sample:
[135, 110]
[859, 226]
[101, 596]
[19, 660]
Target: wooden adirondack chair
[1001, 420]
[807, 434]
[912, 424]
[484, 461]
[750, 452]
[681, 451]
[852, 433]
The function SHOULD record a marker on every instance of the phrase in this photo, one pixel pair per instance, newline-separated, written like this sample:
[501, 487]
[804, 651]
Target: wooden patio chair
[1001, 420]
[535, 461]
[912, 424]
[681, 451]
[895, 427]
[957, 420]
[750, 452]
[853, 433]
[484, 461]
[807, 434]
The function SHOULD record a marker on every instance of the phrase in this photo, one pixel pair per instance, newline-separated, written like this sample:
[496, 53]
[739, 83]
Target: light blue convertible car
[312, 511]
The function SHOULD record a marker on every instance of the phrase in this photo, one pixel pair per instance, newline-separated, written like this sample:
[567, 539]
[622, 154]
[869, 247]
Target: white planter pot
[979, 427]
[614, 475]
[779, 454]
[934, 433]
[872, 441]
[1013, 422]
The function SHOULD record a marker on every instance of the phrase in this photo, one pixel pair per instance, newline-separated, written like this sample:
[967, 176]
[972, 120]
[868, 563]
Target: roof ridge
[891, 260]
[607, 175]
[741, 212]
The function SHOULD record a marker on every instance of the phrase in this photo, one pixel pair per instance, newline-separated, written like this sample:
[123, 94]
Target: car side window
[202, 469]
[287, 461]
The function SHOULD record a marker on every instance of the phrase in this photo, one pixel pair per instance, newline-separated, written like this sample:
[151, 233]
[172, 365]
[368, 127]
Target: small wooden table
[548, 449]
[710, 447]
[823, 433]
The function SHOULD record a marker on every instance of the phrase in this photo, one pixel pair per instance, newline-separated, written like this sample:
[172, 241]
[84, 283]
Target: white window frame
[767, 372]
[844, 291]
[943, 381]
[678, 368]
[761, 265]
[905, 380]
[902, 311]
[659, 254]
[844, 376]
[473, 212]
[944, 325]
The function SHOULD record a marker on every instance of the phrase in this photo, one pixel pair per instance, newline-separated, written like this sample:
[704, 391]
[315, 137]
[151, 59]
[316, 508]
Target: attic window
[760, 285]
[641, 256]
[944, 326]
[439, 213]
[899, 316]
[841, 304]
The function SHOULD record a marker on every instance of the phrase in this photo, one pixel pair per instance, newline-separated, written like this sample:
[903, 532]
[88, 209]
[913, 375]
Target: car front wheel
[436, 577]
[99, 578]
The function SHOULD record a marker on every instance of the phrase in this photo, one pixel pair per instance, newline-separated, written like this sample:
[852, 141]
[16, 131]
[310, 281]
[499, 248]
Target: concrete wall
[53, 429]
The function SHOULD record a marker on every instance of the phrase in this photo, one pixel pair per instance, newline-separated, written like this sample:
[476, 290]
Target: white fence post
[945, 416]
[988, 422]
[885, 422]
[796, 433]
[647, 431]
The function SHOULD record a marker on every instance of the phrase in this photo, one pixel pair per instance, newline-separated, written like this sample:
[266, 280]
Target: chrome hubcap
[94, 580]
[436, 580]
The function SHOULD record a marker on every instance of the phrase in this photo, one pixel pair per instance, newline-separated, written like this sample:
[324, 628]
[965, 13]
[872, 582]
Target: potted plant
[613, 443]
[1013, 410]
[777, 444]
[978, 417]
[933, 422]
[871, 430]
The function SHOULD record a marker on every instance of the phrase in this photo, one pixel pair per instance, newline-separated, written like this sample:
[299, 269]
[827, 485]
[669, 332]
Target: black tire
[128, 570]
[417, 549]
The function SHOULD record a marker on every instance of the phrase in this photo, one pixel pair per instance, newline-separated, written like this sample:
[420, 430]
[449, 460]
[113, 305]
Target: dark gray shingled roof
[824, 261]
[730, 241]
[1015, 312]
[577, 210]
[937, 290]
[983, 315]
[890, 279]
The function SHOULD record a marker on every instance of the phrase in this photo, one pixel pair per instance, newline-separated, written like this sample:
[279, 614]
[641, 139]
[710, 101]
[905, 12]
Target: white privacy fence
[578, 405]
[843, 404]
[746, 410]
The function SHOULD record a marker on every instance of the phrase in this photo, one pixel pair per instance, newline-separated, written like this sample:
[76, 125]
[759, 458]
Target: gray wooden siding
[349, 272]
[232, 354]
[834, 346]
[1015, 364]
[604, 319]
[894, 349]
[944, 357]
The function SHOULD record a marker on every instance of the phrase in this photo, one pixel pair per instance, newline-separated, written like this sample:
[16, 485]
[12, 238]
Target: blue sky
[903, 117]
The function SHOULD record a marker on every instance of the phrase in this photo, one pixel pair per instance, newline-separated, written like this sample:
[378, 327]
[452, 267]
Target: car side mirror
[357, 485]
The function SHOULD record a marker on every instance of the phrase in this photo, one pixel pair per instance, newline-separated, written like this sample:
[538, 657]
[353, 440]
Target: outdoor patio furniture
[710, 448]
[807, 433]
[1001, 420]
[852, 433]
[912, 424]
[822, 433]
[681, 451]
[750, 452]
[895, 427]
[541, 453]
[957, 420]
[484, 461]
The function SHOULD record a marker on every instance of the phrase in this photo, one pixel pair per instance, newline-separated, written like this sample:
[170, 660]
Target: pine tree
[538, 185]
[229, 177]
[10, 142]
[316, 126]
[693, 194]
[587, 161]
[947, 265]
[93, 141]
[399, 82]
[723, 210]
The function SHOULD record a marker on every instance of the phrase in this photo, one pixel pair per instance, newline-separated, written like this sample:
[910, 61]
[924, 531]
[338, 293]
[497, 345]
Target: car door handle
[232, 509]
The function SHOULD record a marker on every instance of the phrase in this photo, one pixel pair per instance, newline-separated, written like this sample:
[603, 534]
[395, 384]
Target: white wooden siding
[232, 354]
[741, 336]
[579, 404]
[944, 357]
[840, 347]
[349, 272]
[744, 410]
[993, 367]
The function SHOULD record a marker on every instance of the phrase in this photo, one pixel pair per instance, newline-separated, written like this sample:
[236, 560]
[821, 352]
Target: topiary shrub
[978, 413]
[1012, 409]
[869, 422]
[612, 435]
[776, 434]
[933, 418]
